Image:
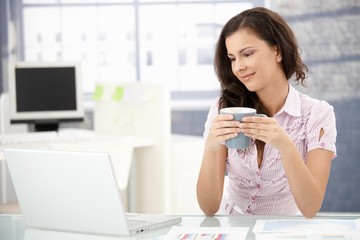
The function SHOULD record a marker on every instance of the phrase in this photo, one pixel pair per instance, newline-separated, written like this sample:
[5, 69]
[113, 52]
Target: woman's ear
[278, 54]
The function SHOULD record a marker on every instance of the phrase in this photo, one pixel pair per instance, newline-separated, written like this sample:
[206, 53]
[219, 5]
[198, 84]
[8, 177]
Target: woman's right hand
[210, 183]
[222, 128]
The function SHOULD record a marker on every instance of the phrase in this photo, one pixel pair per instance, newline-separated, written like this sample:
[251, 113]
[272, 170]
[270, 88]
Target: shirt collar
[292, 104]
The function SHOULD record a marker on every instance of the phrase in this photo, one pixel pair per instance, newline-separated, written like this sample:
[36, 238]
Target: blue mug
[240, 141]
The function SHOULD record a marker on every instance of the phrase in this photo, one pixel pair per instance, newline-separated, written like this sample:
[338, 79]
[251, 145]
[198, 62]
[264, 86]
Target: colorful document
[207, 233]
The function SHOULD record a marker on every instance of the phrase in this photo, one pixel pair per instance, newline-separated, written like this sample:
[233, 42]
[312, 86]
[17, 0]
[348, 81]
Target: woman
[287, 165]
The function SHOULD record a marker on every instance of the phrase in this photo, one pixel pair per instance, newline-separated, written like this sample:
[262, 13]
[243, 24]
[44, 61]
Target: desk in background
[12, 226]
[120, 148]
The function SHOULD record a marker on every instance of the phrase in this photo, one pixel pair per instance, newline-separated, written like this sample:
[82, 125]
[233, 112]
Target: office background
[327, 31]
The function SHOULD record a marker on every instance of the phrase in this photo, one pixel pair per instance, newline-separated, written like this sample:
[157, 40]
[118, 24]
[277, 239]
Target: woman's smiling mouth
[247, 76]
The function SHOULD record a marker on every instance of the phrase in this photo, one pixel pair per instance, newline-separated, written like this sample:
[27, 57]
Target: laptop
[74, 191]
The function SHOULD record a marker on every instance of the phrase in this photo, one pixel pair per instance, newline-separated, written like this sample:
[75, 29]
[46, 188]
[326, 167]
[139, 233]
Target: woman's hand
[222, 128]
[267, 130]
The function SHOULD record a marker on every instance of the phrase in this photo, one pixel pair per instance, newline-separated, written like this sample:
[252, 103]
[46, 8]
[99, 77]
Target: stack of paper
[304, 229]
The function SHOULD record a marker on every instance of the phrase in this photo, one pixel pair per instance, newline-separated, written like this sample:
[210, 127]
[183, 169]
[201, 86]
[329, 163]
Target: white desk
[120, 148]
[12, 226]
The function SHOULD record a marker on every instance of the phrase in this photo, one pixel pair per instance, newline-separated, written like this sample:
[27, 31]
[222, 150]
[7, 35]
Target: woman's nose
[240, 65]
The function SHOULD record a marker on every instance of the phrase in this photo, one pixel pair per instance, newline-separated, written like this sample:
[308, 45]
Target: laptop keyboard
[64, 135]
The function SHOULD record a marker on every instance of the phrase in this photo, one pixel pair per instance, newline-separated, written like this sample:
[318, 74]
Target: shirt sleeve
[322, 116]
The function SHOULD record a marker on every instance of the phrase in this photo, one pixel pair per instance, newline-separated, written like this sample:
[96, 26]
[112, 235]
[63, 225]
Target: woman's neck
[274, 97]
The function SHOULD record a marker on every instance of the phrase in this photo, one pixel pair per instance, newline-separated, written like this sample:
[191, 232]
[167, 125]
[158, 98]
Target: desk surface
[13, 228]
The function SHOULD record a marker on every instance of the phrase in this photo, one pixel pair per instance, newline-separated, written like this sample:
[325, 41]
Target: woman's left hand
[267, 130]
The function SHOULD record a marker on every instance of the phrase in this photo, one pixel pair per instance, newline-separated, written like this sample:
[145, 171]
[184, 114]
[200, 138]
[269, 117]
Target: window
[129, 40]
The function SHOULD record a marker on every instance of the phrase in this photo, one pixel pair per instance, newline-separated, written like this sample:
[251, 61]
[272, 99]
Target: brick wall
[328, 33]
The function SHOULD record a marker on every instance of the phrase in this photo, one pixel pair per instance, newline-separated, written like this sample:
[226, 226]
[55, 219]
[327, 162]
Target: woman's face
[253, 61]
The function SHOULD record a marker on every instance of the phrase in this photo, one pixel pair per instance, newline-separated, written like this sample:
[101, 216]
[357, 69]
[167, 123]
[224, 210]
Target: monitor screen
[45, 94]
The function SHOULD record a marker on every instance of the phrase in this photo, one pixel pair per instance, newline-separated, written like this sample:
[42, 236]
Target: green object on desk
[98, 93]
[118, 94]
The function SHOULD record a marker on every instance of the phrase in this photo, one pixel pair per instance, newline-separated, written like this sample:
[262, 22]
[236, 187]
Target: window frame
[175, 94]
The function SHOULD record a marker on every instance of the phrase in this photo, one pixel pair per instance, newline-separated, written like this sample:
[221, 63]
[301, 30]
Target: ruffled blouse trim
[252, 183]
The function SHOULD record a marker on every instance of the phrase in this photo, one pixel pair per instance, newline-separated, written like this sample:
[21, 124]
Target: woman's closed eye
[248, 53]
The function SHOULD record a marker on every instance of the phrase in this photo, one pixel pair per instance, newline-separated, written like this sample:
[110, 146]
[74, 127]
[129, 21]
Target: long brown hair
[273, 29]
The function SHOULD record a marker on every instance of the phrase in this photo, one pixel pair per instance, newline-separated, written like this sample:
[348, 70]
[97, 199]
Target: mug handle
[260, 115]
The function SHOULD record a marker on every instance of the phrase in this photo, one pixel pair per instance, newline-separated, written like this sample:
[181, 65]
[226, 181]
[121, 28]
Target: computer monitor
[45, 94]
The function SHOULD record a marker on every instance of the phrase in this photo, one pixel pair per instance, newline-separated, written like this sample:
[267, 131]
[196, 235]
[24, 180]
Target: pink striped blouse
[265, 190]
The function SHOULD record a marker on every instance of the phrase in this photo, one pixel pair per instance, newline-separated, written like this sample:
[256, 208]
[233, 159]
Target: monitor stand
[44, 126]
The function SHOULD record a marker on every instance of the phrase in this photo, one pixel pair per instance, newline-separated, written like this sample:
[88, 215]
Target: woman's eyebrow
[242, 50]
